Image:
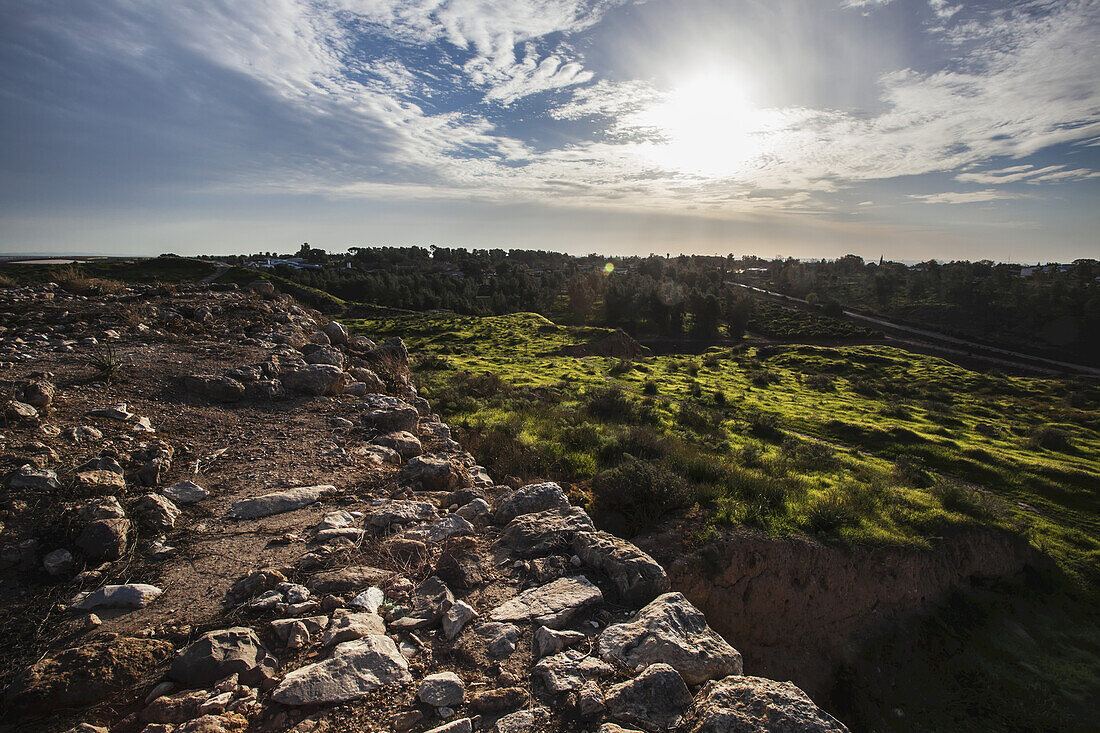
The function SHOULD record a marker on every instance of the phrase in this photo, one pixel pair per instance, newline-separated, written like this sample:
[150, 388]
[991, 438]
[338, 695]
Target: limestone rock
[101, 481]
[451, 525]
[476, 512]
[106, 529]
[638, 577]
[16, 410]
[501, 638]
[86, 675]
[432, 472]
[130, 595]
[673, 631]
[462, 725]
[529, 499]
[400, 512]
[388, 414]
[430, 600]
[354, 670]
[552, 605]
[442, 689]
[313, 379]
[523, 721]
[279, 502]
[549, 641]
[29, 477]
[218, 654]
[215, 389]
[326, 355]
[499, 700]
[156, 511]
[39, 393]
[656, 699]
[185, 492]
[336, 332]
[754, 705]
[58, 562]
[570, 670]
[253, 584]
[405, 443]
[531, 535]
[353, 626]
[456, 618]
[349, 579]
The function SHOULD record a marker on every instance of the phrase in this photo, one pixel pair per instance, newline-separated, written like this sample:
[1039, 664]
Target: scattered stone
[462, 725]
[16, 410]
[284, 629]
[156, 511]
[253, 584]
[408, 720]
[326, 355]
[349, 579]
[431, 599]
[218, 654]
[58, 562]
[502, 638]
[400, 512]
[405, 443]
[85, 675]
[185, 492]
[29, 477]
[638, 577]
[477, 512]
[102, 482]
[114, 412]
[462, 563]
[39, 393]
[456, 618]
[370, 600]
[313, 379]
[216, 389]
[613, 728]
[279, 502]
[451, 525]
[499, 700]
[656, 699]
[673, 631]
[105, 530]
[529, 499]
[353, 671]
[388, 414]
[548, 641]
[524, 721]
[590, 700]
[177, 708]
[432, 472]
[353, 626]
[543, 533]
[442, 689]
[552, 605]
[570, 670]
[336, 333]
[756, 705]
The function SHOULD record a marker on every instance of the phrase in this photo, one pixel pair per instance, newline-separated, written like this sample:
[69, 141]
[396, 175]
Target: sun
[707, 126]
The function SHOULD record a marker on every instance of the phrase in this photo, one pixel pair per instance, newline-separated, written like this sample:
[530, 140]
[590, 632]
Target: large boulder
[553, 605]
[442, 689]
[326, 355]
[86, 675]
[216, 389]
[531, 498]
[570, 670]
[313, 379]
[218, 654]
[279, 502]
[433, 472]
[405, 443]
[656, 699]
[673, 631]
[451, 525]
[638, 576]
[388, 414]
[542, 533]
[352, 672]
[336, 332]
[29, 477]
[755, 705]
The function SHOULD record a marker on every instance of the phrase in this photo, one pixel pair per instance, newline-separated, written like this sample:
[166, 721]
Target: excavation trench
[804, 611]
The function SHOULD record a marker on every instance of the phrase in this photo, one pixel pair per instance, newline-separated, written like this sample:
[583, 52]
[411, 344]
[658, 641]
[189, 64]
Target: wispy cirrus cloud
[967, 197]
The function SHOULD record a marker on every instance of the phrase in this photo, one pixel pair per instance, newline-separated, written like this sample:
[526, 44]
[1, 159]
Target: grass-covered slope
[863, 443]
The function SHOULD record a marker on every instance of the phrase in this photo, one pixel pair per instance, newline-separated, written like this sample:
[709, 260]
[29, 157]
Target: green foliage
[643, 492]
[104, 361]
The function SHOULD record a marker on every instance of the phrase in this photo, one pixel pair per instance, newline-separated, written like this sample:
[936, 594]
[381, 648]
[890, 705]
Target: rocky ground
[221, 512]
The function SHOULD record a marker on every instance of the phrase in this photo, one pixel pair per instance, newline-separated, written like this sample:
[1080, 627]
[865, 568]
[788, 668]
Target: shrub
[482, 386]
[73, 280]
[1050, 438]
[819, 382]
[719, 397]
[609, 404]
[910, 471]
[694, 417]
[761, 377]
[765, 425]
[642, 442]
[622, 366]
[104, 360]
[642, 491]
[957, 498]
[649, 388]
[434, 363]
[830, 513]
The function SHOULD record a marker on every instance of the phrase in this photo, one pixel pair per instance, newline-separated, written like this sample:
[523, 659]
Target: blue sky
[807, 128]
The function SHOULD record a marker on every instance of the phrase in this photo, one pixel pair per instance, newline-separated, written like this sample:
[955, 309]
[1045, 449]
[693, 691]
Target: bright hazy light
[710, 126]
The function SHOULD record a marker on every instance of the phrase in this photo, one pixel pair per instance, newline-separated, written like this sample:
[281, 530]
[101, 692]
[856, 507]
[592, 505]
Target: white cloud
[970, 197]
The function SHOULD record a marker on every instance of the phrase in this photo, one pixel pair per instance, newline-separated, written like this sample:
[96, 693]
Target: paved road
[971, 346]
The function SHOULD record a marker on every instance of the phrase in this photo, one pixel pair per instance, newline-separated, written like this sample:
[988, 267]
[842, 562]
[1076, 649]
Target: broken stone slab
[501, 638]
[530, 499]
[523, 721]
[476, 512]
[430, 601]
[216, 389]
[130, 595]
[655, 700]
[217, 654]
[279, 502]
[405, 443]
[253, 584]
[185, 492]
[353, 671]
[552, 605]
[369, 600]
[326, 536]
[451, 525]
[400, 512]
[549, 641]
[456, 618]
[543, 533]
[156, 511]
[673, 631]
[336, 520]
[638, 577]
[114, 412]
[570, 670]
[102, 482]
[353, 626]
[462, 725]
[313, 379]
[756, 705]
[282, 628]
[433, 472]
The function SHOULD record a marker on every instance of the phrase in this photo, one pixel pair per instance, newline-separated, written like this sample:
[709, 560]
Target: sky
[913, 129]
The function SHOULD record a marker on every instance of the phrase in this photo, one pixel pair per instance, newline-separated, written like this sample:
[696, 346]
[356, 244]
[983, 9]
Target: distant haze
[913, 129]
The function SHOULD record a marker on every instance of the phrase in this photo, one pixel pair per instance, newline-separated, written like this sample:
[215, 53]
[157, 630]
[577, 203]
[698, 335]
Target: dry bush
[73, 280]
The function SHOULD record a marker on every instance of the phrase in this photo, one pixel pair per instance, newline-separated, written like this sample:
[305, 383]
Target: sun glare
[709, 125]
